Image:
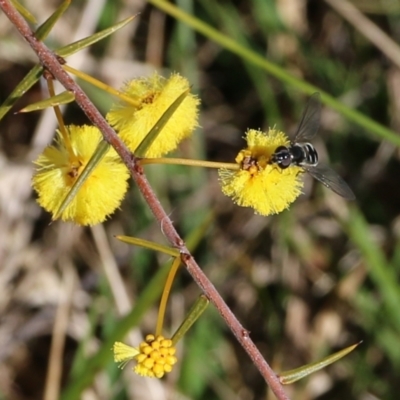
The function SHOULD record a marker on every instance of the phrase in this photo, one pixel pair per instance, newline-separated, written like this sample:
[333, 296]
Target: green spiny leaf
[156, 130]
[62, 98]
[98, 155]
[24, 12]
[29, 80]
[294, 375]
[149, 245]
[194, 313]
[44, 29]
[82, 43]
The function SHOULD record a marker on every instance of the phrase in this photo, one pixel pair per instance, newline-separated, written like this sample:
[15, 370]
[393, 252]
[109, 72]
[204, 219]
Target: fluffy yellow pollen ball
[59, 166]
[259, 183]
[151, 97]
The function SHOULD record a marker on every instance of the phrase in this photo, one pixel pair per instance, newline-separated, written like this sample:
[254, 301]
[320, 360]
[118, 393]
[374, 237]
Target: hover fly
[304, 155]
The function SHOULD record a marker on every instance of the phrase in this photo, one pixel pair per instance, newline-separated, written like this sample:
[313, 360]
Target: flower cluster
[155, 356]
[254, 181]
[59, 166]
[259, 183]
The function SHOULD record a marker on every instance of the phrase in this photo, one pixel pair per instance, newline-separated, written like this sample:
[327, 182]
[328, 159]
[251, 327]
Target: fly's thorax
[282, 156]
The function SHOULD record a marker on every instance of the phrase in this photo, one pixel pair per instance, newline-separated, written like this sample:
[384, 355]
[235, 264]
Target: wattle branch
[52, 64]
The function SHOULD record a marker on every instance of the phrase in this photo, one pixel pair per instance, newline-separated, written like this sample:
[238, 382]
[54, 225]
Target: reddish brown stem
[51, 63]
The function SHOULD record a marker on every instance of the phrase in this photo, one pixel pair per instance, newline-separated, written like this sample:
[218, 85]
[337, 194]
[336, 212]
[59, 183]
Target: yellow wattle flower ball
[153, 96]
[59, 166]
[260, 184]
[155, 356]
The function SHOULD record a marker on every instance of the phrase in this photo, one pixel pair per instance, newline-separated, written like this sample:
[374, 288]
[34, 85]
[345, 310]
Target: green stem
[164, 298]
[101, 85]
[147, 244]
[192, 163]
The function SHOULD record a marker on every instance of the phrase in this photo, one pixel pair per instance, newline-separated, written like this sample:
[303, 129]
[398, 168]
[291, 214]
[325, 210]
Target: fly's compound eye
[282, 157]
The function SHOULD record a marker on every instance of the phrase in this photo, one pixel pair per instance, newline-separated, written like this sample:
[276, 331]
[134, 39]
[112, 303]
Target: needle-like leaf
[62, 98]
[294, 375]
[156, 130]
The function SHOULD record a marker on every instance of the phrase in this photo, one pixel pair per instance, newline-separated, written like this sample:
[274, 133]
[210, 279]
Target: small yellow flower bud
[166, 343]
[155, 345]
[167, 368]
[146, 349]
[148, 363]
[149, 338]
[141, 357]
[164, 352]
[171, 360]
[159, 370]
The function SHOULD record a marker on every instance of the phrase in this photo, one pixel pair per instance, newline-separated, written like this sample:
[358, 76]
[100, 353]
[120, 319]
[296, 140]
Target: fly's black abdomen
[304, 154]
[312, 155]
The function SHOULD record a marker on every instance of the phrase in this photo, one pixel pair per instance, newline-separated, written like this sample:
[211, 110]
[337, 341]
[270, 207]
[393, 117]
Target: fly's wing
[328, 177]
[309, 123]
